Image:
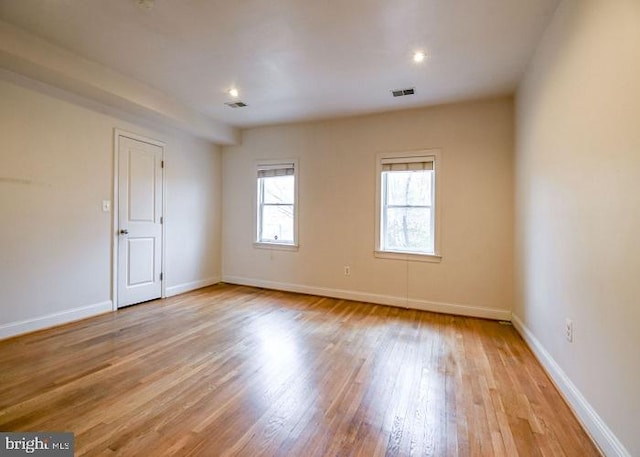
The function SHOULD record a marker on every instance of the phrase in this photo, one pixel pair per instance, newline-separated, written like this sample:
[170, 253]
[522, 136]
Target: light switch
[106, 206]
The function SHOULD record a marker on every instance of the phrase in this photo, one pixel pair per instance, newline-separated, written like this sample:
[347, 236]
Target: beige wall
[336, 207]
[194, 213]
[56, 167]
[578, 212]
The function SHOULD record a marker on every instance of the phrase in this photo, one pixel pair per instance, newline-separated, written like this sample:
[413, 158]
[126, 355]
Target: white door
[140, 221]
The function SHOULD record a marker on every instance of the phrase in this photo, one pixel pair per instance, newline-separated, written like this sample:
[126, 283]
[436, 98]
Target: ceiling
[295, 60]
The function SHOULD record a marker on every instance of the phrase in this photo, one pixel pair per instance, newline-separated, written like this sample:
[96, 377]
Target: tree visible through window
[276, 204]
[407, 217]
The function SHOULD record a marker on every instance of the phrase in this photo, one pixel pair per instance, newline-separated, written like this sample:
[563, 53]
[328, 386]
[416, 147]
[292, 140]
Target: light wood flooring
[239, 371]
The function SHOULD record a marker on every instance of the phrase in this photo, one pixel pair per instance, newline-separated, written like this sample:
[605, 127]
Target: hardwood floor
[231, 370]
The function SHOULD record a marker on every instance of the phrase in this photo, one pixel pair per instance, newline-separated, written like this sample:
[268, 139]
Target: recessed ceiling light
[418, 56]
[233, 92]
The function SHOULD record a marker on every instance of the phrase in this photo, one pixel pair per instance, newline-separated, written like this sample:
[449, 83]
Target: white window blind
[281, 169]
[406, 164]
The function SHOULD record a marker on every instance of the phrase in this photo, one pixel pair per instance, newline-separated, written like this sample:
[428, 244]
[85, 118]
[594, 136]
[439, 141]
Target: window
[406, 209]
[276, 209]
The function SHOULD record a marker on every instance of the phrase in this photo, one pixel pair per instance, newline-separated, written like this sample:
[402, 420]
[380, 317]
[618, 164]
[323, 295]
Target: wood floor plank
[239, 371]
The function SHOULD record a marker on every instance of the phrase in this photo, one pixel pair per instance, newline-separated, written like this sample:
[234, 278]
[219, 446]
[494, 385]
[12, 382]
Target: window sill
[275, 246]
[410, 257]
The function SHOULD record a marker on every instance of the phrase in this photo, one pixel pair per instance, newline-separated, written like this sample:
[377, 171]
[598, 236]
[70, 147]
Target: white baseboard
[189, 286]
[50, 320]
[400, 302]
[600, 433]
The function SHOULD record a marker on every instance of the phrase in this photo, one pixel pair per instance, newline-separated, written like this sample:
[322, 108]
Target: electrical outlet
[347, 270]
[568, 330]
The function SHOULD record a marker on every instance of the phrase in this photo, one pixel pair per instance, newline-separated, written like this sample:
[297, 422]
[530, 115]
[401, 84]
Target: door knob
[124, 232]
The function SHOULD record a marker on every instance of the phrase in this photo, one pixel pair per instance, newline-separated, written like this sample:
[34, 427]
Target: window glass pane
[278, 189]
[407, 188]
[408, 229]
[277, 224]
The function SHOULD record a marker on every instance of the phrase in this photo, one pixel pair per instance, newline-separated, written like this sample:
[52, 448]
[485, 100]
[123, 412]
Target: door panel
[142, 186]
[139, 219]
[141, 252]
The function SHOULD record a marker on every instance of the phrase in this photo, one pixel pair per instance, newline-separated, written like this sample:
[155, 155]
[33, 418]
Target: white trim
[275, 246]
[263, 164]
[117, 133]
[137, 137]
[189, 286]
[408, 256]
[433, 155]
[595, 427]
[163, 260]
[389, 300]
[53, 319]
[114, 220]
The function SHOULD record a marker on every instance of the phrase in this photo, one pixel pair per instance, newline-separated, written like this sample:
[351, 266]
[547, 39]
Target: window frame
[258, 205]
[432, 155]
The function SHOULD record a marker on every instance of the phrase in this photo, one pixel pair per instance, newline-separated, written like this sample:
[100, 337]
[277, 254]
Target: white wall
[578, 212]
[194, 215]
[56, 167]
[337, 192]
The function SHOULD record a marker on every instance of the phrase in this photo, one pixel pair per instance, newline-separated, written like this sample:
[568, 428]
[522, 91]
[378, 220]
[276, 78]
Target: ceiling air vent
[403, 92]
[236, 104]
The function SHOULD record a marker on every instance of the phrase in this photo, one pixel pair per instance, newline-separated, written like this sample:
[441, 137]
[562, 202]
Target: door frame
[117, 133]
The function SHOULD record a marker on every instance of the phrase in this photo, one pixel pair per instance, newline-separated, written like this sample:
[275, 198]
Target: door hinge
[162, 164]
[161, 275]
[161, 220]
